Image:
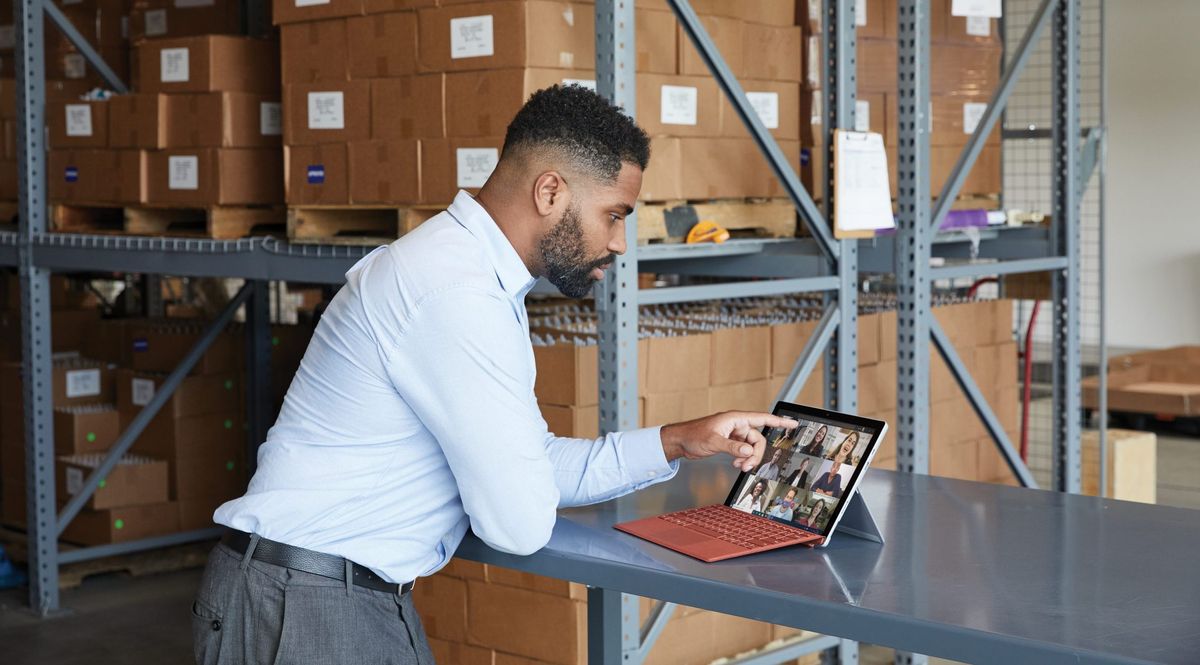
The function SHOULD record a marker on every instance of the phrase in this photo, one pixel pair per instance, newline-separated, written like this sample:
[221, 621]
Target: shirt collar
[510, 269]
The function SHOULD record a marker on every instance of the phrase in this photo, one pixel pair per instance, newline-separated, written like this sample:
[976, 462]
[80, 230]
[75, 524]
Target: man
[412, 417]
[771, 470]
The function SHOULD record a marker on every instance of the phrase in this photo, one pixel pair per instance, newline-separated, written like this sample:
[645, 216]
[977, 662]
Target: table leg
[604, 627]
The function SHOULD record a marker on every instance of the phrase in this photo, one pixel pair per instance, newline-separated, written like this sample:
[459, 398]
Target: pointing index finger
[757, 420]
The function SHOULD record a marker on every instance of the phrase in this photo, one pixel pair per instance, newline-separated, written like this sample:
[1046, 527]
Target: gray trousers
[251, 612]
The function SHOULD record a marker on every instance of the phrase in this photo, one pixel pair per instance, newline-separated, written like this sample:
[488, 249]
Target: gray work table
[974, 572]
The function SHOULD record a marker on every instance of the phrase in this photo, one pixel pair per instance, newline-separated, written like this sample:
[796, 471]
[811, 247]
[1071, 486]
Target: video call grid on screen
[805, 472]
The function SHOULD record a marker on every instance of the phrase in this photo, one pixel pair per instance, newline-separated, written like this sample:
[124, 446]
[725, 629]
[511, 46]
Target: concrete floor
[117, 619]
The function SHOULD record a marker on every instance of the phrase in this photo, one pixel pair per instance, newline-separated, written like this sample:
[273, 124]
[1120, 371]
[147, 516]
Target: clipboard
[862, 195]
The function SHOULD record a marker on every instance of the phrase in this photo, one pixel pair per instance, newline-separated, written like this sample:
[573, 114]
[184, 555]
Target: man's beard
[564, 258]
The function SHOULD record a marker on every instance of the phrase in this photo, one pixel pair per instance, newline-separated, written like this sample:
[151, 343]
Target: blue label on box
[71, 174]
[805, 156]
[140, 344]
[316, 174]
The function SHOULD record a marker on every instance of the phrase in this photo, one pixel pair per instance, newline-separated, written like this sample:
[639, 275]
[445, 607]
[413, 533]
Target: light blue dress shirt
[412, 416]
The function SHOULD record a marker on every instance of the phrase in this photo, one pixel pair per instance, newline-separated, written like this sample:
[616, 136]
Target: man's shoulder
[440, 255]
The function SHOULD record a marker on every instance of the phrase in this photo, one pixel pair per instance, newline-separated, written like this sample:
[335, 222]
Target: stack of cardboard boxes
[965, 64]
[203, 130]
[103, 23]
[401, 102]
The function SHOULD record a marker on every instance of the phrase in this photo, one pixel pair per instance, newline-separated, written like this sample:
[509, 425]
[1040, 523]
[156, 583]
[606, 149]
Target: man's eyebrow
[626, 208]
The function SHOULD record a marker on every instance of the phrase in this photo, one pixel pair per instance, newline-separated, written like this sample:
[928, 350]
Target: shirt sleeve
[594, 470]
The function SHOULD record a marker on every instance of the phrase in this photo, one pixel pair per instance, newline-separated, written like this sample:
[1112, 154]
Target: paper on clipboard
[862, 194]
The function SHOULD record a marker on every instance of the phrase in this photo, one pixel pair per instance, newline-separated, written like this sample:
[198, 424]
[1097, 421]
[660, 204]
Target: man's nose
[616, 244]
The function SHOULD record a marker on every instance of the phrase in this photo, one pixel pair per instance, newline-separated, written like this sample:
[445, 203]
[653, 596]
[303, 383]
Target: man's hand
[734, 433]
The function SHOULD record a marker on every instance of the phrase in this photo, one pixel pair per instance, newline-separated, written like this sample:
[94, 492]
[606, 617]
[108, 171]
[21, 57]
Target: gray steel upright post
[913, 236]
[841, 92]
[37, 373]
[1066, 235]
[617, 307]
[259, 345]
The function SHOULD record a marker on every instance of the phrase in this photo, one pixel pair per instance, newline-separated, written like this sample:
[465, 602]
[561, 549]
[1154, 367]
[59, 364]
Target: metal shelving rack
[819, 263]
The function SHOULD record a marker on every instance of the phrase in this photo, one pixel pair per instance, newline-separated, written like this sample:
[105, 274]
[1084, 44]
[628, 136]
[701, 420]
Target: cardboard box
[772, 53]
[546, 585]
[216, 435]
[490, 623]
[726, 34]
[75, 381]
[1158, 389]
[411, 107]
[385, 172]
[224, 120]
[317, 174]
[494, 35]
[85, 429]
[872, 18]
[195, 396]
[678, 105]
[483, 103]
[72, 175]
[138, 121]
[315, 51]
[134, 481]
[657, 40]
[327, 112]
[770, 12]
[702, 637]
[567, 375]
[209, 63]
[868, 339]
[945, 27]
[873, 112]
[957, 460]
[195, 514]
[675, 364]
[777, 104]
[708, 168]
[215, 176]
[119, 525]
[748, 396]
[878, 66]
[582, 422]
[296, 11]
[454, 652]
[740, 355]
[959, 69]
[984, 179]
[211, 476]
[77, 124]
[954, 119]
[667, 408]
[877, 387]
[131, 184]
[442, 604]
[158, 20]
[1132, 465]
[382, 45]
[953, 421]
[448, 165]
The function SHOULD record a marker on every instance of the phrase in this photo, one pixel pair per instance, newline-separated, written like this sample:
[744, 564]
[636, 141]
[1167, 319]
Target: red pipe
[975, 287]
[1037, 304]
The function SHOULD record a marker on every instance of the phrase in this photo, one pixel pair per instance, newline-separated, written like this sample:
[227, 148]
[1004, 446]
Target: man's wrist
[672, 442]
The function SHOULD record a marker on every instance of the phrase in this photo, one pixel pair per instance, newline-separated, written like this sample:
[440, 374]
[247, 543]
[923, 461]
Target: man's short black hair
[581, 124]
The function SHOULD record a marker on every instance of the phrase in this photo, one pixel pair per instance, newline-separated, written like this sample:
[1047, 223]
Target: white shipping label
[79, 120]
[814, 60]
[862, 115]
[155, 22]
[860, 12]
[184, 172]
[475, 165]
[989, 8]
[74, 66]
[8, 36]
[678, 105]
[471, 37]
[83, 383]
[816, 115]
[310, 3]
[194, 3]
[766, 105]
[173, 65]
[972, 114]
[270, 118]
[74, 480]
[979, 26]
[590, 84]
[142, 391]
[326, 110]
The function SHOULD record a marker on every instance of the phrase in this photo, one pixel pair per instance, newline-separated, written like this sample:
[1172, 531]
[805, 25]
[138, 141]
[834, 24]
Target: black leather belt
[308, 561]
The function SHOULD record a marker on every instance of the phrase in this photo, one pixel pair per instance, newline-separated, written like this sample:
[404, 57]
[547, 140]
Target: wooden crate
[1132, 465]
[671, 220]
[355, 225]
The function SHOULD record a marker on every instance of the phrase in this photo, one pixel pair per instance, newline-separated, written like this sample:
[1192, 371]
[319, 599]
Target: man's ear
[550, 195]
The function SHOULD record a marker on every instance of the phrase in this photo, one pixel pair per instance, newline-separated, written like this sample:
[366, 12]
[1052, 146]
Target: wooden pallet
[670, 221]
[135, 564]
[220, 222]
[355, 225]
